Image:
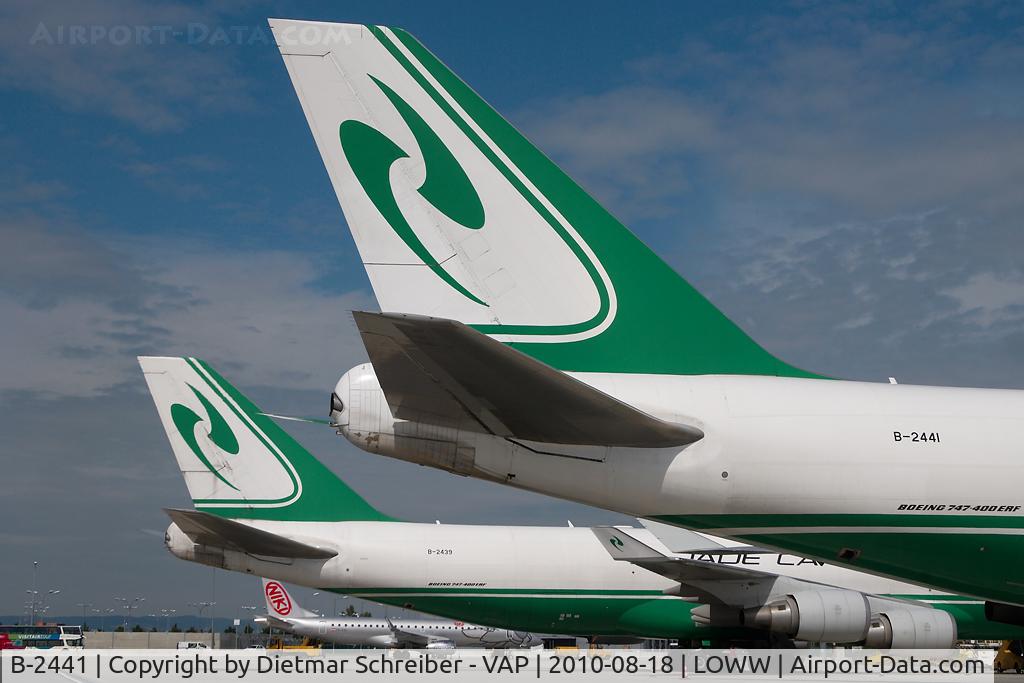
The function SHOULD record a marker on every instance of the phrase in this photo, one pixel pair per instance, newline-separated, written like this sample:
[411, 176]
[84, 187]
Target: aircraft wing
[447, 370]
[207, 529]
[405, 638]
[621, 546]
[680, 540]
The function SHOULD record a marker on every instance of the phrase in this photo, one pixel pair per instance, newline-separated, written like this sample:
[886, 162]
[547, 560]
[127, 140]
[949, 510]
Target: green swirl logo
[446, 186]
[186, 419]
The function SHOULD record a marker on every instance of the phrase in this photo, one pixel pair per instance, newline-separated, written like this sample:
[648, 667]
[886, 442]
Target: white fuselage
[794, 446]
[540, 579]
[791, 451]
[370, 632]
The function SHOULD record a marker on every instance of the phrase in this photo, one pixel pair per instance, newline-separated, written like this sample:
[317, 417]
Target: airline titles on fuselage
[754, 559]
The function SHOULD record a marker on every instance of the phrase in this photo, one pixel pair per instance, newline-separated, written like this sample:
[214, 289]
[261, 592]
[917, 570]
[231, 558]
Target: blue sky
[843, 180]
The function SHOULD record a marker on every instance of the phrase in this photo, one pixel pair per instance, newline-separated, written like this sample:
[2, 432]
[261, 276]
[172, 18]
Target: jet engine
[817, 616]
[909, 626]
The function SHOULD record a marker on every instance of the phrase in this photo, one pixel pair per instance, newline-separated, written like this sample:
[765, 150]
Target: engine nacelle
[908, 626]
[830, 615]
[360, 412]
[183, 547]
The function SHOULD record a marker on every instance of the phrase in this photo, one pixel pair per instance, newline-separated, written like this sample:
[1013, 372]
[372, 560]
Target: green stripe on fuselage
[809, 521]
[546, 611]
[621, 612]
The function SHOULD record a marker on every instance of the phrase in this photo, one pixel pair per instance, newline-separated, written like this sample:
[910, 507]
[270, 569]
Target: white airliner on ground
[285, 613]
[265, 506]
[529, 338]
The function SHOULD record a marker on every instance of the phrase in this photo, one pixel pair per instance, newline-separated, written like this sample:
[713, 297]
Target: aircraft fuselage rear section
[919, 483]
[540, 579]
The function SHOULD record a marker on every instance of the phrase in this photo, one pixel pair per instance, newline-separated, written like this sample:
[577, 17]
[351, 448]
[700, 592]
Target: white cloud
[626, 145]
[152, 80]
[989, 297]
[249, 312]
[841, 178]
[875, 113]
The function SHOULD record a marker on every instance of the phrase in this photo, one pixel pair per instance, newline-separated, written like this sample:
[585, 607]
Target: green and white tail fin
[457, 215]
[236, 461]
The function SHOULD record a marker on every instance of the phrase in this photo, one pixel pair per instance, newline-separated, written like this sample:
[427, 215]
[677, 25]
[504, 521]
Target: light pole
[213, 599]
[203, 605]
[251, 609]
[167, 618]
[31, 605]
[35, 571]
[238, 629]
[50, 593]
[103, 616]
[84, 606]
[35, 606]
[130, 604]
[316, 593]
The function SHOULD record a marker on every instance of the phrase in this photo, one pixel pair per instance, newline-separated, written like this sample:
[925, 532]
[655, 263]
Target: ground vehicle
[192, 645]
[42, 636]
[1010, 656]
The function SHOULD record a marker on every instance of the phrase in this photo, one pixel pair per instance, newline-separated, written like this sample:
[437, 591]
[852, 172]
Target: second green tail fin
[236, 461]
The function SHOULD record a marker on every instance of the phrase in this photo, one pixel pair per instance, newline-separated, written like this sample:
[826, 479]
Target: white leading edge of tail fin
[446, 224]
[226, 458]
[236, 461]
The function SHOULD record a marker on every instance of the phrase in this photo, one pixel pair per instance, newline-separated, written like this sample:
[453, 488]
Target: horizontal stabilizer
[279, 624]
[443, 368]
[206, 529]
[293, 418]
[680, 540]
